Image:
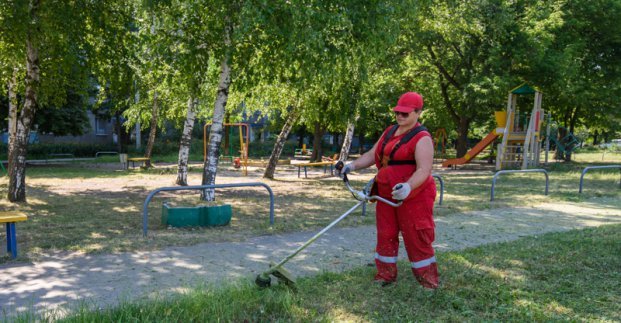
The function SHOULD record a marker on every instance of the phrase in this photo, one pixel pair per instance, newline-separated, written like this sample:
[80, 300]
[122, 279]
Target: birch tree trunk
[210, 167]
[318, 132]
[17, 153]
[184, 145]
[349, 135]
[226, 134]
[149, 149]
[13, 104]
[280, 143]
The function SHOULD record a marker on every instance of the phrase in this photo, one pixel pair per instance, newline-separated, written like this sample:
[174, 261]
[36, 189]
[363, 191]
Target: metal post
[438, 177]
[548, 136]
[518, 171]
[586, 169]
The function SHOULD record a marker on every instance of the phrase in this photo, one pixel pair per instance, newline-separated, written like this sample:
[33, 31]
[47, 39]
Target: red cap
[409, 102]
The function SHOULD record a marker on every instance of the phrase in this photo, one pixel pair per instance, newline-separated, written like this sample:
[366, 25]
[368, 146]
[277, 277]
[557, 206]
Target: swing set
[244, 137]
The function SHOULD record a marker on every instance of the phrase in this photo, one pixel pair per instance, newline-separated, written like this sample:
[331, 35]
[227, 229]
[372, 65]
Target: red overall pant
[414, 219]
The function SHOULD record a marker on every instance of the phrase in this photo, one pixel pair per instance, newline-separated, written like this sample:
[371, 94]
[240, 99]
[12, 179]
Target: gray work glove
[401, 191]
[348, 168]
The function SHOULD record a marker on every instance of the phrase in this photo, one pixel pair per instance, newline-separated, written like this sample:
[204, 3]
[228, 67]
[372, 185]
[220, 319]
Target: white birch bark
[184, 145]
[13, 104]
[17, 156]
[215, 134]
[349, 135]
[280, 143]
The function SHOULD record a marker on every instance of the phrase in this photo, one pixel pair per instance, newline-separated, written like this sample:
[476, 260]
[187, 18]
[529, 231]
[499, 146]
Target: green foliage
[43, 151]
[70, 119]
[64, 56]
[577, 61]
[335, 59]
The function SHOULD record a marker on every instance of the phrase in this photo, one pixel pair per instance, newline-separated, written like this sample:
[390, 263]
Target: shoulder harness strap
[406, 138]
[389, 134]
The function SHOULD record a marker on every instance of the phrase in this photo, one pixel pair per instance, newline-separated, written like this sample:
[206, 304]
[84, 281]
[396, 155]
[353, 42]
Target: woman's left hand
[401, 191]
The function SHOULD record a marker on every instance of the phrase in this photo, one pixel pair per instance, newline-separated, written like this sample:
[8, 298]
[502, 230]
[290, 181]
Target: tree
[579, 61]
[43, 51]
[191, 58]
[116, 46]
[465, 53]
[338, 40]
[70, 119]
[249, 34]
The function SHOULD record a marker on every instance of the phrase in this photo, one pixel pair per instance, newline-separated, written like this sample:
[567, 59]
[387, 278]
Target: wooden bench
[325, 165]
[10, 218]
[142, 160]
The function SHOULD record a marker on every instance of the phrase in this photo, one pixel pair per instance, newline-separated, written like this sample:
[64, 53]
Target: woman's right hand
[348, 168]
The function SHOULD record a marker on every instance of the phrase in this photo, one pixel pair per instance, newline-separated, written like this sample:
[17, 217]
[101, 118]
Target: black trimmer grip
[339, 165]
[339, 168]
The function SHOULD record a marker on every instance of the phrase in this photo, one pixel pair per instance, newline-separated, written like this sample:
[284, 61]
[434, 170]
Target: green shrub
[43, 151]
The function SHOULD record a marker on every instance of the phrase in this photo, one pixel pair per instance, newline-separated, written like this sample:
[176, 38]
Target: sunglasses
[405, 114]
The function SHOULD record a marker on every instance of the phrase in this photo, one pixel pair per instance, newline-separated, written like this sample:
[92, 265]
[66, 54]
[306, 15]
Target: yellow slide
[473, 152]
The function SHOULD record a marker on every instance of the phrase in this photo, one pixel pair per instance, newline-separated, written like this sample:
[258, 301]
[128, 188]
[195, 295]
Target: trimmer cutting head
[283, 275]
[264, 280]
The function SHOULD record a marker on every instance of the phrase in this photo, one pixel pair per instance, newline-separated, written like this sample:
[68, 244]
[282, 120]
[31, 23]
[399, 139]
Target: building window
[100, 126]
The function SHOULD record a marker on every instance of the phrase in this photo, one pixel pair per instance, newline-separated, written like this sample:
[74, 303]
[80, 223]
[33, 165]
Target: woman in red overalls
[404, 175]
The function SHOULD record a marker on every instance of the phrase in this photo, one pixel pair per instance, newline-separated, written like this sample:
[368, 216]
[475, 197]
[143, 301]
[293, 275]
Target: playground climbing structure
[521, 137]
[521, 141]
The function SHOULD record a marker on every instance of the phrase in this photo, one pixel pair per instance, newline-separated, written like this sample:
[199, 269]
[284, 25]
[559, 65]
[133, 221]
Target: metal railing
[69, 155]
[518, 171]
[105, 152]
[145, 210]
[586, 169]
[59, 158]
[439, 178]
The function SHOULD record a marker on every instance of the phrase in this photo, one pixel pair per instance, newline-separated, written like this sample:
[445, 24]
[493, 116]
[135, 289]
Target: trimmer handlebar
[363, 195]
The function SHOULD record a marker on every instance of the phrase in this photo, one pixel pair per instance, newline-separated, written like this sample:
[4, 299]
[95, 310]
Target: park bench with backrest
[10, 218]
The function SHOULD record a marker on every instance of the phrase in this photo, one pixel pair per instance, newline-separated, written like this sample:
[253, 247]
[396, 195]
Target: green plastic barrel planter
[218, 215]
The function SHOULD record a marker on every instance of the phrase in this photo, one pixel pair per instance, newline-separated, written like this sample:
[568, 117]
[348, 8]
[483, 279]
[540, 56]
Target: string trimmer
[284, 276]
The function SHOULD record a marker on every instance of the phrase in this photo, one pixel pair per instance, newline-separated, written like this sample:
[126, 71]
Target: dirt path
[60, 281]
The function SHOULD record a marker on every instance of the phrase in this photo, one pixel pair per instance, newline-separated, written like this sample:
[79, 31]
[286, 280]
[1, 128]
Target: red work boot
[428, 276]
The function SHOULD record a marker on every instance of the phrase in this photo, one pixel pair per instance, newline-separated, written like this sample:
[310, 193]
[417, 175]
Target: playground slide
[473, 152]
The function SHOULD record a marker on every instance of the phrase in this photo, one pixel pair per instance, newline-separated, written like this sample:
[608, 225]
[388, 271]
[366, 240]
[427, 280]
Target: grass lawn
[570, 276]
[88, 209]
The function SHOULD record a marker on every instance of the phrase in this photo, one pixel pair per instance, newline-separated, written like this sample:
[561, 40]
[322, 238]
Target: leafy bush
[43, 151]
